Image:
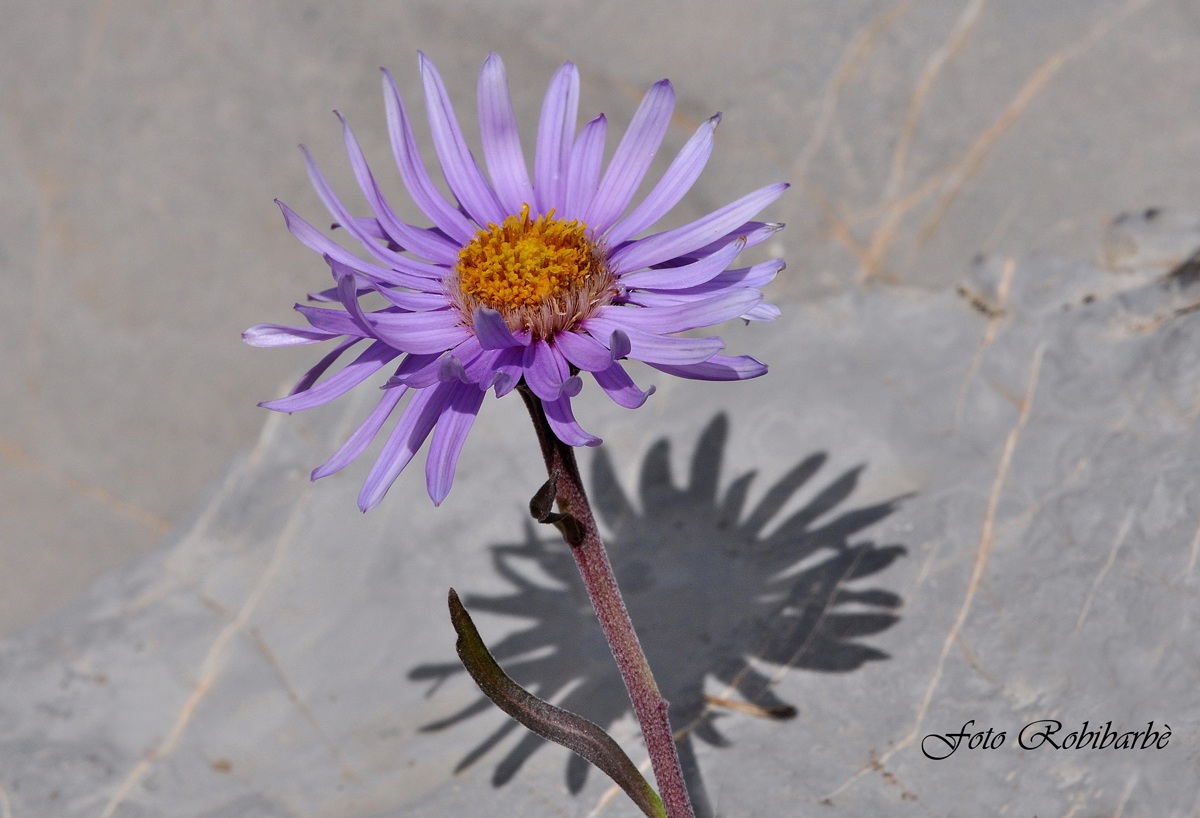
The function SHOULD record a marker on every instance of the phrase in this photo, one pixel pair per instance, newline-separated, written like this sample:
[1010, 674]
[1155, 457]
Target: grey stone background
[992, 374]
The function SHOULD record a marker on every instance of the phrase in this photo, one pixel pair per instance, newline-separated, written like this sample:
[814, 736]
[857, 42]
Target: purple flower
[523, 279]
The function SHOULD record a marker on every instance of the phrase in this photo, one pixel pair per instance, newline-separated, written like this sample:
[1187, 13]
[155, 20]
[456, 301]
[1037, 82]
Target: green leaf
[561, 726]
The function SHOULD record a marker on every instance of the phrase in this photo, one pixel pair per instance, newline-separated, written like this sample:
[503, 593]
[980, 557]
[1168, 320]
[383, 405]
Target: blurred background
[142, 144]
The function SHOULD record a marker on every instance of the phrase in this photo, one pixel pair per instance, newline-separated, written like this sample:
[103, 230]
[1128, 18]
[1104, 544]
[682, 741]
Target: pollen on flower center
[542, 274]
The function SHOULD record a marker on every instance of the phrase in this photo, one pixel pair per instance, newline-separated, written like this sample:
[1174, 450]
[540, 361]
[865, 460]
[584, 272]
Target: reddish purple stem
[648, 704]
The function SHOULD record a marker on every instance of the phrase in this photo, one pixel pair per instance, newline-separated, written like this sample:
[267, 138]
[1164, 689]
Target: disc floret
[541, 274]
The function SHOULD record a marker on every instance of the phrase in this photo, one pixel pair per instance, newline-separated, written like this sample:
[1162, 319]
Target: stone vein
[950, 180]
[1108, 564]
[346, 771]
[958, 174]
[211, 667]
[53, 187]
[1133, 779]
[853, 55]
[15, 454]
[255, 637]
[982, 552]
[989, 336]
[881, 237]
[933, 66]
[1195, 555]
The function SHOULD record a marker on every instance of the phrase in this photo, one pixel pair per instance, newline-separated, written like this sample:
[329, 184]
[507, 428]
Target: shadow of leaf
[715, 592]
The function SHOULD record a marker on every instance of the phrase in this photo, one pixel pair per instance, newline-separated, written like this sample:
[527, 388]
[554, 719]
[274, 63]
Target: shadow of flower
[713, 590]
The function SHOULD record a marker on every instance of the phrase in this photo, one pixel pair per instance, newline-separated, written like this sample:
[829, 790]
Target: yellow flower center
[541, 274]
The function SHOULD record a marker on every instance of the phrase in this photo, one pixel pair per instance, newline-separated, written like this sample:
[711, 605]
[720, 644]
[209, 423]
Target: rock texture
[142, 143]
[965, 493]
[937, 509]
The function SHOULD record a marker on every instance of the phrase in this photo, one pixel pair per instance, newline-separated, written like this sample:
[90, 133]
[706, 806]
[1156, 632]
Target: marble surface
[142, 143]
[973, 491]
[974, 506]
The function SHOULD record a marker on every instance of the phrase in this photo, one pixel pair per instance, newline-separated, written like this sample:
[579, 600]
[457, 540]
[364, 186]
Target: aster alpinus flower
[523, 280]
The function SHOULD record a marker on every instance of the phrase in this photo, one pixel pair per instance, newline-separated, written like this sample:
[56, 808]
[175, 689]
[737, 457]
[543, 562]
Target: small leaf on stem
[541, 505]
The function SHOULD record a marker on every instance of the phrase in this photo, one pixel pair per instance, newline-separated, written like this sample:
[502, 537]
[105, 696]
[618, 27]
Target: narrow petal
[699, 312]
[330, 294]
[347, 292]
[396, 261]
[461, 170]
[462, 405]
[563, 424]
[688, 275]
[314, 374]
[417, 371]
[718, 368]
[658, 300]
[667, 349]
[450, 368]
[487, 368]
[672, 187]
[572, 386]
[411, 430]
[545, 370]
[357, 443]
[583, 178]
[477, 362]
[632, 157]
[354, 373]
[619, 343]
[617, 384]
[754, 232]
[762, 312]
[348, 295]
[556, 128]
[667, 245]
[332, 321]
[492, 332]
[367, 224]
[758, 276]
[501, 140]
[508, 370]
[648, 346]
[318, 242]
[420, 332]
[754, 278]
[655, 300]
[424, 243]
[412, 169]
[413, 302]
[277, 335]
[584, 351]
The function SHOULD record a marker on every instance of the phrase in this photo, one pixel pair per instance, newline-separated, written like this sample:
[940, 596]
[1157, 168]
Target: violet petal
[556, 129]
[501, 140]
[632, 157]
[461, 170]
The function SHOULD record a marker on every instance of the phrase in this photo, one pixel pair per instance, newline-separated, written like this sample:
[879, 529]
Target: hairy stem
[648, 704]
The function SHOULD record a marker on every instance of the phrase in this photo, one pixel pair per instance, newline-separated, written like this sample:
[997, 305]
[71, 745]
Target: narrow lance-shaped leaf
[560, 726]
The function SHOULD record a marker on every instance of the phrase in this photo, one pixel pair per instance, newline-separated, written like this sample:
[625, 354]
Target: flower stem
[648, 703]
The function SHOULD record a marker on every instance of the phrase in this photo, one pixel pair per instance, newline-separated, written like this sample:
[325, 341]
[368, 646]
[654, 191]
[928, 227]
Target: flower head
[523, 280]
